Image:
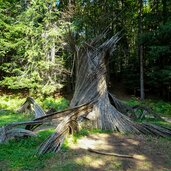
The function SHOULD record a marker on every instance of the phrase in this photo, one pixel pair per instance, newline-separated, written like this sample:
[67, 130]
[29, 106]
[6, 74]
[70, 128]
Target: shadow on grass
[153, 154]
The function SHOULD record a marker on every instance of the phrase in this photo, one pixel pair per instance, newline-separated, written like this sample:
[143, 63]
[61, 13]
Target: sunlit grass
[21, 154]
[9, 116]
[11, 102]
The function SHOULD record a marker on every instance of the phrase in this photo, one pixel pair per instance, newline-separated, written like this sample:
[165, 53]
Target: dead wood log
[135, 156]
[109, 154]
[146, 111]
[26, 107]
[10, 131]
[91, 86]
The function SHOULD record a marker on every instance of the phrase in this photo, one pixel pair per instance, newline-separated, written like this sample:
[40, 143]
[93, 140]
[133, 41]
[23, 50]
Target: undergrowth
[158, 106]
[155, 122]
[13, 102]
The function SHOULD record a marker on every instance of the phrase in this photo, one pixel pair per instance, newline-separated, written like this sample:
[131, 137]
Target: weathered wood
[26, 107]
[10, 131]
[110, 154]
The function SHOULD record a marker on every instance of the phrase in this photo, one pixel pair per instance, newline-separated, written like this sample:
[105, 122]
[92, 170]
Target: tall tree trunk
[142, 94]
[91, 85]
[140, 51]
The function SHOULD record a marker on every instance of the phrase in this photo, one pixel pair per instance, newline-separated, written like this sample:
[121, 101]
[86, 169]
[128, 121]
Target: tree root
[131, 111]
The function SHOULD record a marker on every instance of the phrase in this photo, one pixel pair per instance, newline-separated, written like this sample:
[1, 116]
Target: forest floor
[152, 154]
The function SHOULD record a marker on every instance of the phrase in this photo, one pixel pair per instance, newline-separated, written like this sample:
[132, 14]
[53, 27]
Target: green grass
[155, 122]
[21, 154]
[13, 102]
[10, 116]
[85, 132]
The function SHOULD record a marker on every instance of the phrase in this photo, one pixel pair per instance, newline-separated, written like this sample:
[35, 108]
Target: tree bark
[140, 49]
[91, 85]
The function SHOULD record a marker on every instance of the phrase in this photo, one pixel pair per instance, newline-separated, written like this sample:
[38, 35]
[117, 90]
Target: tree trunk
[91, 85]
[140, 51]
[142, 94]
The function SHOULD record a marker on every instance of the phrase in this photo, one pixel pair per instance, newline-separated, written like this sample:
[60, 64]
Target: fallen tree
[91, 101]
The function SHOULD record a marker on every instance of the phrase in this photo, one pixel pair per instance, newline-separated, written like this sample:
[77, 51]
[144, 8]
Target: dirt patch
[152, 154]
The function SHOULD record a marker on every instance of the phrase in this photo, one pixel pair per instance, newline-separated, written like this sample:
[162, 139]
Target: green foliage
[161, 107]
[157, 45]
[133, 101]
[13, 102]
[31, 46]
[20, 154]
[9, 116]
[85, 132]
[33, 37]
[156, 122]
[15, 154]
[58, 104]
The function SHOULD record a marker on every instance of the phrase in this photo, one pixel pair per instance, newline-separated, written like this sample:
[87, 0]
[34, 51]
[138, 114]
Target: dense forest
[34, 37]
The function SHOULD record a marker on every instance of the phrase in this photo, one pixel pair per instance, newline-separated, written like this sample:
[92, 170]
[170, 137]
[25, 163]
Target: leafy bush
[10, 102]
[57, 104]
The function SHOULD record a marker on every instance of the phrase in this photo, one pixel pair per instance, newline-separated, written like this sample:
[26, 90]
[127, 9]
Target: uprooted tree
[91, 102]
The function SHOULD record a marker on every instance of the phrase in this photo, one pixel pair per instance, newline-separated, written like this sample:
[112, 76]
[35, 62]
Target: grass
[20, 154]
[85, 132]
[155, 122]
[11, 116]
